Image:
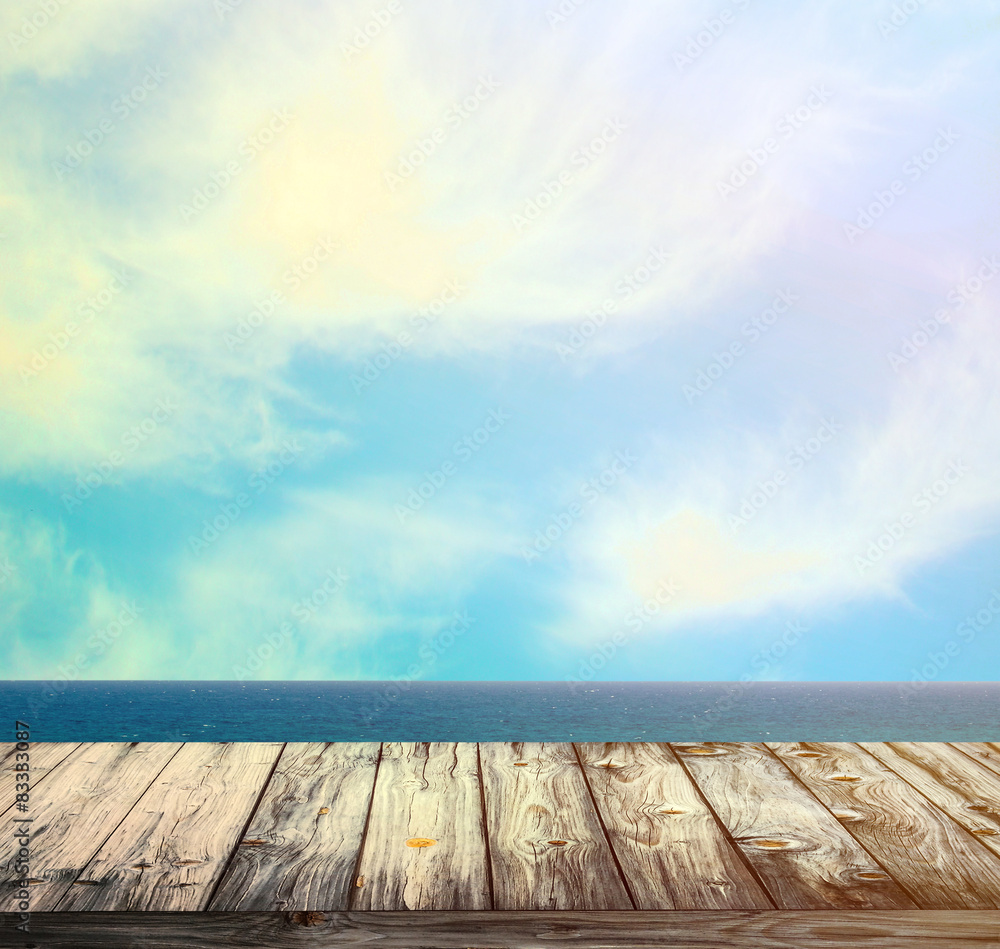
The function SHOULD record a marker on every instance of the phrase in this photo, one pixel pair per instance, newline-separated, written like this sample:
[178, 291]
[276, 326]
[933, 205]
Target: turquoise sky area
[464, 340]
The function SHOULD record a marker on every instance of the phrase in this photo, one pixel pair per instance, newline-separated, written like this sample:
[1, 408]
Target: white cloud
[63, 617]
[855, 519]
[322, 175]
[403, 582]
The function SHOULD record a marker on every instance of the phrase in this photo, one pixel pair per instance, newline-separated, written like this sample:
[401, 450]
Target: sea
[500, 711]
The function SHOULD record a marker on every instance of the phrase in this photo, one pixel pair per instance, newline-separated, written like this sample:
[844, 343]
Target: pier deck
[507, 844]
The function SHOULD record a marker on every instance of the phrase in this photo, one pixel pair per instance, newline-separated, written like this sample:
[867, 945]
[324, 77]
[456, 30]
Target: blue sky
[343, 341]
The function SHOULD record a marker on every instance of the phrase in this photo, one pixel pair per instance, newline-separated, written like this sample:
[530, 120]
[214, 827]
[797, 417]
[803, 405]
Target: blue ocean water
[502, 711]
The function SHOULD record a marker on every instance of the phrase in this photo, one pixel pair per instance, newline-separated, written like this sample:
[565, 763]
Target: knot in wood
[873, 874]
[701, 750]
[777, 844]
[846, 813]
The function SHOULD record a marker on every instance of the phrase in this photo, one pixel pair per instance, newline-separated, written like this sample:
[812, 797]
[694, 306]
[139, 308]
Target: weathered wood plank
[938, 862]
[426, 846]
[768, 929]
[673, 852]
[301, 848]
[547, 846]
[172, 846]
[987, 753]
[799, 850]
[967, 793]
[43, 758]
[74, 814]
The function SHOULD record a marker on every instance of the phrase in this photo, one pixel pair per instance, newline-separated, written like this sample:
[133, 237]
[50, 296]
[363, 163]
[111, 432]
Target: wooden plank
[673, 852]
[301, 848]
[798, 849]
[987, 753]
[547, 846]
[426, 845]
[77, 811]
[173, 845]
[968, 793]
[768, 929]
[43, 758]
[938, 862]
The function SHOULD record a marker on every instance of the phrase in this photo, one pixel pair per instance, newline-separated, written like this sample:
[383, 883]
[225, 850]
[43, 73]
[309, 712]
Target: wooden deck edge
[765, 929]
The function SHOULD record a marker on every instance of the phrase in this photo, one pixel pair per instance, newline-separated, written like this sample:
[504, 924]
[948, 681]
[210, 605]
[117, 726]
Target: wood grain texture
[987, 753]
[799, 850]
[425, 847]
[43, 758]
[968, 793]
[172, 846]
[938, 862]
[301, 849]
[673, 852]
[76, 812]
[548, 849]
[769, 929]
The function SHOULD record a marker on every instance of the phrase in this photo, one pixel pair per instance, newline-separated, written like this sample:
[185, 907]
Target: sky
[586, 341]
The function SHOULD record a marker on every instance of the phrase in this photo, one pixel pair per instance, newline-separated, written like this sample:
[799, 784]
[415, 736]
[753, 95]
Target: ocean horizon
[150, 710]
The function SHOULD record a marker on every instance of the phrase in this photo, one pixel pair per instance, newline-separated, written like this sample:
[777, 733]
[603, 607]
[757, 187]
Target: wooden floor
[508, 844]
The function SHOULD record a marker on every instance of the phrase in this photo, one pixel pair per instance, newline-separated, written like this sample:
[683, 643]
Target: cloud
[783, 521]
[283, 193]
[710, 568]
[60, 39]
[398, 584]
[605, 170]
[64, 617]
